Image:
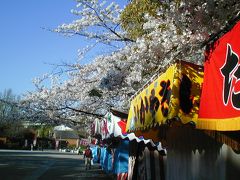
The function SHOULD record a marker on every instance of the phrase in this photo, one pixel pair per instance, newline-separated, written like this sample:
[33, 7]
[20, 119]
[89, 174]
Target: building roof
[66, 135]
[119, 113]
[62, 128]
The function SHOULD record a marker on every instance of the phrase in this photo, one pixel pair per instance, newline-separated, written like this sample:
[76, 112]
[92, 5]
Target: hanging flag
[220, 99]
[174, 93]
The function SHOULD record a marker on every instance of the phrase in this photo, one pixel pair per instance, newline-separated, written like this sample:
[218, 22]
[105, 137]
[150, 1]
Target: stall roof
[113, 125]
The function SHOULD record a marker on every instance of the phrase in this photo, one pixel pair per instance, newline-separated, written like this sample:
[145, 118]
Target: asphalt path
[44, 165]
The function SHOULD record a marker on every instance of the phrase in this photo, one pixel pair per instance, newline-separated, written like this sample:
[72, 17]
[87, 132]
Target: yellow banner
[175, 93]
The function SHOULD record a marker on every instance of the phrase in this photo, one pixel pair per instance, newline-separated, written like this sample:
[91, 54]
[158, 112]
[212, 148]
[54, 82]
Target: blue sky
[26, 50]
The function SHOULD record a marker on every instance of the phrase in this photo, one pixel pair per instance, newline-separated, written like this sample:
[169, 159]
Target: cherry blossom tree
[97, 20]
[177, 31]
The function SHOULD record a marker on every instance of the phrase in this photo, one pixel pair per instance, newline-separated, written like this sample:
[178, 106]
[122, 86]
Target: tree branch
[84, 112]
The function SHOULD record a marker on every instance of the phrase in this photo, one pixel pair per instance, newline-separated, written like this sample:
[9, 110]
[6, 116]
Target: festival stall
[141, 152]
[106, 160]
[117, 143]
[120, 159]
[114, 150]
[172, 96]
[195, 118]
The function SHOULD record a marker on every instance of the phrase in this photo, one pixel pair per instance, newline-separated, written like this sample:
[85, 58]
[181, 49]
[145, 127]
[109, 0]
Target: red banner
[220, 99]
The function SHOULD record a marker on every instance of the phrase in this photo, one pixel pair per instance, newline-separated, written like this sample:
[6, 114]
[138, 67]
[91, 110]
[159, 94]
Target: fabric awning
[114, 126]
[174, 93]
[220, 99]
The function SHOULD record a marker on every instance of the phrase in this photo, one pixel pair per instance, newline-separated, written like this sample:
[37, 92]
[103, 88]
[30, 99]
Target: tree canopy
[133, 16]
[158, 35]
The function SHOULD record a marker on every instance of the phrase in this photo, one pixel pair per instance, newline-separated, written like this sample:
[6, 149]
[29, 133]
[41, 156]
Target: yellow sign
[175, 93]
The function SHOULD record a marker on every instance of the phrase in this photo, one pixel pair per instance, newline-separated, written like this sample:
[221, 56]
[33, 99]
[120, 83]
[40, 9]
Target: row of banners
[113, 126]
[210, 99]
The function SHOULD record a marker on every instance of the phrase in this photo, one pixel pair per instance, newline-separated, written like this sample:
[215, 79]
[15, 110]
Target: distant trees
[19, 123]
[13, 116]
[9, 111]
[44, 131]
[10, 114]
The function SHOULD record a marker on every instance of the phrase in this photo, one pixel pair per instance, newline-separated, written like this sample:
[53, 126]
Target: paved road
[29, 165]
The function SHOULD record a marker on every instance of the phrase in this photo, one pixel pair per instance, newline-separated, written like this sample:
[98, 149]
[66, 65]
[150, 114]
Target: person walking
[88, 157]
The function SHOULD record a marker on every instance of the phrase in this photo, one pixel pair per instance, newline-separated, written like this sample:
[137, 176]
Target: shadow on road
[46, 165]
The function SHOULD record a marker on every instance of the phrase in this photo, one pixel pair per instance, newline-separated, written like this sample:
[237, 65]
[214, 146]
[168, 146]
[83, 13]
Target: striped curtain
[145, 163]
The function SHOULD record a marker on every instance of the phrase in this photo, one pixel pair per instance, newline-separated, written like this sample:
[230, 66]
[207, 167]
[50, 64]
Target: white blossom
[110, 80]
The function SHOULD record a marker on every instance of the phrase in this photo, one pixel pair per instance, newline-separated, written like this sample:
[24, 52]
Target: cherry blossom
[110, 80]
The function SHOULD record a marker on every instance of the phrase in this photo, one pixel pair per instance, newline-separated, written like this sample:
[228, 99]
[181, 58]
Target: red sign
[84, 142]
[220, 99]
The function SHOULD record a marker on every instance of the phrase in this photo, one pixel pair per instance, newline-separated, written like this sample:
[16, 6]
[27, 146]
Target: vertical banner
[220, 99]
